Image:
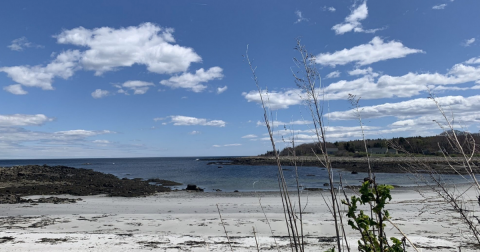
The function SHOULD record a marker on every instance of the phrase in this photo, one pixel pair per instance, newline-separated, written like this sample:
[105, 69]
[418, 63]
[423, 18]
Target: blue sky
[168, 78]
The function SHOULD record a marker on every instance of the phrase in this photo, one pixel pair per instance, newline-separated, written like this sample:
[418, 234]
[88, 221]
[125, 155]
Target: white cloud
[194, 132]
[221, 90]
[331, 8]
[146, 44]
[300, 18]
[15, 89]
[81, 133]
[376, 50]
[101, 141]
[334, 74]
[192, 81]
[365, 71]
[439, 7]
[138, 87]
[98, 93]
[21, 43]
[412, 108]
[276, 123]
[352, 21]
[15, 136]
[276, 100]
[64, 65]
[473, 61]
[226, 145]
[23, 120]
[250, 136]
[187, 120]
[159, 119]
[386, 86]
[427, 122]
[468, 42]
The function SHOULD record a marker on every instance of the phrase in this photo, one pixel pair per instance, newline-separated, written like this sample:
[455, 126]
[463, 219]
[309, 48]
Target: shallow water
[191, 170]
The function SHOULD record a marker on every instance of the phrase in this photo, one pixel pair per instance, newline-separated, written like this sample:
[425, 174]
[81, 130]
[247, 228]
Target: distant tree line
[430, 145]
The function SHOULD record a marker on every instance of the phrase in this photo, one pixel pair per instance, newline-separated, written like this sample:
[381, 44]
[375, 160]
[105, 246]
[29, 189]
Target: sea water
[195, 170]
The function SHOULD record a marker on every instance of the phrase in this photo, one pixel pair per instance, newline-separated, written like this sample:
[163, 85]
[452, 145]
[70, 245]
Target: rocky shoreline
[353, 164]
[27, 180]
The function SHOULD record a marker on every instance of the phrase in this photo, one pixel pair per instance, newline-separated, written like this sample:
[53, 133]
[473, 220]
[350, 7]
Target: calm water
[190, 170]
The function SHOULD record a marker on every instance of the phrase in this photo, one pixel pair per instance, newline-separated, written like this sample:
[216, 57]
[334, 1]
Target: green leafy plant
[371, 227]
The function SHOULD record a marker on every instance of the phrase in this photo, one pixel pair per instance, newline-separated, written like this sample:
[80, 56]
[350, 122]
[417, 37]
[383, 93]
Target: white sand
[184, 221]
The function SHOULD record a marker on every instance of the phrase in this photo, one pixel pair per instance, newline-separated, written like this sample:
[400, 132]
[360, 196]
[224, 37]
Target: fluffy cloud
[192, 81]
[138, 87]
[221, 89]
[334, 74]
[21, 43]
[365, 71]
[16, 135]
[473, 61]
[352, 21]
[195, 132]
[187, 120]
[63, 66]
[468, 42]
[146, 44]
[23, 120]
[386, 86]
[250, 136]
[412, 108]
[439, 7]
[426, 122]
[98, 93]
[15, 89]
[375, 51]
[276, 100]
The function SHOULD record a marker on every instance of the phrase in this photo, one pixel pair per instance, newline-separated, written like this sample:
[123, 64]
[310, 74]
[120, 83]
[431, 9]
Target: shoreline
[358, 164]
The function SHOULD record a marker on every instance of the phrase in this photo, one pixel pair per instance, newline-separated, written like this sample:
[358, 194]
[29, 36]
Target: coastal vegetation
[371, 220]
[418, 145]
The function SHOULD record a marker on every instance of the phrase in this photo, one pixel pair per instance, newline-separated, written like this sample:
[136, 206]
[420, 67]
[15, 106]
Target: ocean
[228, 178]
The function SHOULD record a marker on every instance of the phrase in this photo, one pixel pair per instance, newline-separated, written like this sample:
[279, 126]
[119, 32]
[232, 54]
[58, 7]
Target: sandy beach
[189, 221]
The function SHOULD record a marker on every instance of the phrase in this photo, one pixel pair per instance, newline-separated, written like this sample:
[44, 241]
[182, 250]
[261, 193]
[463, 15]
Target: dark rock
[26, 180]
[191, 187]
[236, 191]
[326, 184]
[354, 172]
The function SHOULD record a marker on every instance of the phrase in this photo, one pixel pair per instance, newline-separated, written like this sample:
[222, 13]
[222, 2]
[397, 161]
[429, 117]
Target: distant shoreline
[360, 164]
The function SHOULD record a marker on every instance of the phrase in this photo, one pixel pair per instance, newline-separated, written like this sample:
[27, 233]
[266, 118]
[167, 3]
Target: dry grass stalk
[224, 229]
[306, 79]
[296, 239]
